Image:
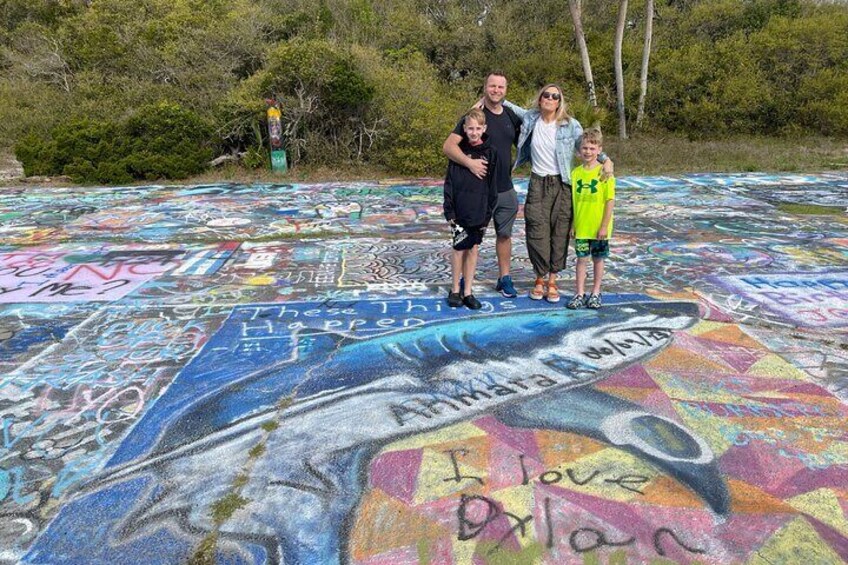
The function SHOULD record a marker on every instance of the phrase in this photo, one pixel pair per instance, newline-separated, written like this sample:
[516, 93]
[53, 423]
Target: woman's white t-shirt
[543, 148]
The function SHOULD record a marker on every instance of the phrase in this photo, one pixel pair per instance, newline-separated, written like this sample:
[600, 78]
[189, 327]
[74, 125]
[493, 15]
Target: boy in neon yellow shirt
[593, 201]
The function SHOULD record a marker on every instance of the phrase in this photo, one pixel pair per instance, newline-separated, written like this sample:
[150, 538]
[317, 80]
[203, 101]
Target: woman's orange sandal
[538, 291]
[553, 292]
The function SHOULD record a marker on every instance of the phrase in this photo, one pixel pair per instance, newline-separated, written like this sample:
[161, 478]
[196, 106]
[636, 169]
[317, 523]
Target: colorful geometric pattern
[111, 297]
[525, 497]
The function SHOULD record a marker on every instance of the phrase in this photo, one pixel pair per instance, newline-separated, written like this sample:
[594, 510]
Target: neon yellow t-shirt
[589, 195]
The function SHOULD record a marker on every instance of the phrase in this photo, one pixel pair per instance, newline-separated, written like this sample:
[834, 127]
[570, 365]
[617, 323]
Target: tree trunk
[619, 73]
[646, 56]
[576, 17]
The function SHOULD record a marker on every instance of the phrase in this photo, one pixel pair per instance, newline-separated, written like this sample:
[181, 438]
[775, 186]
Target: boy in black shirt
[469, 204]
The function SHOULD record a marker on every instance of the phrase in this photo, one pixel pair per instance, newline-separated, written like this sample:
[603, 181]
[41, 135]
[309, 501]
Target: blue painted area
[257, 337]
[320, 356]
[65, 542]
[25, 338]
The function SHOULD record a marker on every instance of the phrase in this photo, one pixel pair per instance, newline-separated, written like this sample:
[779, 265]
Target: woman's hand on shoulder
[607, 169]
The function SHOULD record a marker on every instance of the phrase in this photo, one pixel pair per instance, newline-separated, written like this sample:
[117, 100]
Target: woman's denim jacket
[567, 140]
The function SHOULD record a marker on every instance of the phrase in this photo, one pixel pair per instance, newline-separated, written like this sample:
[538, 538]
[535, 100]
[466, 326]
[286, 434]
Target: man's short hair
[494, 74]
[593, 135]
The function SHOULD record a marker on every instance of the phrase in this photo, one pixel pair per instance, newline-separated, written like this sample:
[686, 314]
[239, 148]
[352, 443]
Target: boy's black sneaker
[594, 302]
[454, 299]
[471, 302]
[578, 301]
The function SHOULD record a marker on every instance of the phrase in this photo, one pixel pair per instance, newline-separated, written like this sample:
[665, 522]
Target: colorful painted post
[275, 138]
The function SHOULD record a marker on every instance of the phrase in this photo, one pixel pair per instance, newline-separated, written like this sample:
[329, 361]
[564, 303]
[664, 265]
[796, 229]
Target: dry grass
[656, 155]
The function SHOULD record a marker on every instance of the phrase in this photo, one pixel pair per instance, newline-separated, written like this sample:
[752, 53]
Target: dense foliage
[383, 81]
[157, 141]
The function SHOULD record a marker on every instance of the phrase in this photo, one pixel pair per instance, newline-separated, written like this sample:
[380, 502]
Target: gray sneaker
[578, 301]
[594, 302]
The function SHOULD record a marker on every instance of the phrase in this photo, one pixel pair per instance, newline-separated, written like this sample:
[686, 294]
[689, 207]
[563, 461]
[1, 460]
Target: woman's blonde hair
[561, 113]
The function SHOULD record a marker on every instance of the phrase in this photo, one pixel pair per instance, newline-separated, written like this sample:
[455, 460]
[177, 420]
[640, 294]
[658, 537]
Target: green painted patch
[226, 507]
[492, 554]
[205, 552]
[423, 547]
[257, 450]
[810, 209]
[270, 426]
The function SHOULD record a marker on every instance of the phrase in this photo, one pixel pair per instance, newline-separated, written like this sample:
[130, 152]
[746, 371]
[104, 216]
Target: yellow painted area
[261, 280]
[706, 326]
[836, 453]
[823, 505]
[463, 551]
[561, 447]
[731, 334]
[715, 430]
[774, 367]
[679, 359]
[595, 470]
[519, 501]
[435, 476]
[797, 542]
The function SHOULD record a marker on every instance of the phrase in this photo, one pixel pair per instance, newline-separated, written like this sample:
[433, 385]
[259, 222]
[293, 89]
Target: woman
[549, 136]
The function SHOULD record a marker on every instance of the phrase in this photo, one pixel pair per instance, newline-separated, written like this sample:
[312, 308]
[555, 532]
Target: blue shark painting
[322, 393]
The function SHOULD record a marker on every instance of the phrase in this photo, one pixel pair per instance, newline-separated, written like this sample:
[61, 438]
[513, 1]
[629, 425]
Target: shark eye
[656, 436]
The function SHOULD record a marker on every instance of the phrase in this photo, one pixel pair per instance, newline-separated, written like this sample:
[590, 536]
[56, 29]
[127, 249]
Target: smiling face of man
[495, 89]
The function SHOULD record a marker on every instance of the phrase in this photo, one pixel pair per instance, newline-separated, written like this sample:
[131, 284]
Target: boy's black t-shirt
[502, 130]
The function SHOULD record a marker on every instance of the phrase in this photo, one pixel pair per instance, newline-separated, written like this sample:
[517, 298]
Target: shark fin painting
[322, 401]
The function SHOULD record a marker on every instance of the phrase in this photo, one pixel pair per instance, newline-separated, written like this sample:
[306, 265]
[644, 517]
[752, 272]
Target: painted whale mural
[334, 398]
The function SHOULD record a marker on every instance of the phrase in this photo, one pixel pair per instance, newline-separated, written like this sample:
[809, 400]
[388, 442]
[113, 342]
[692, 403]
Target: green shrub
[416, 112]
[158, 141]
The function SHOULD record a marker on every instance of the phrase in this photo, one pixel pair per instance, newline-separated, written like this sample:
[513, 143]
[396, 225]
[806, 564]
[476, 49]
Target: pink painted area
[442, 511]
[634, 376]
[521, 440]
[756, 463]
[661, 405]
[572, 511]
[742, 534]
[39, 277]
[396, 473]
[806, 480]
[505, 466]
[442, 552]
[711, 312]
[498, 530]
[808, 389]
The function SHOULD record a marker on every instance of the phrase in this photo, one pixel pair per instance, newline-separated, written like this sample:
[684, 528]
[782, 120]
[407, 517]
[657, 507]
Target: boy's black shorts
[597, 248]
[465, 238]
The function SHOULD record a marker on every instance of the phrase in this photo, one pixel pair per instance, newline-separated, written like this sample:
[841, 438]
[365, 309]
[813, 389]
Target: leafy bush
[416, 112]
[158, 141]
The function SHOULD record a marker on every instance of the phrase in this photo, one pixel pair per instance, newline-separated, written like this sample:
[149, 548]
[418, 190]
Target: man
[503, 127]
